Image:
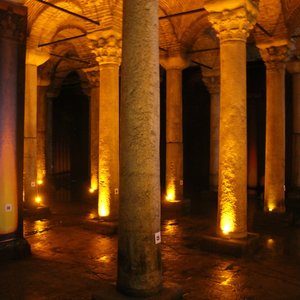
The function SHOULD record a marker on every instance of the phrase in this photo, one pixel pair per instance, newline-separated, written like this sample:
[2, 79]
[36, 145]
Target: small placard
[116, 191]
[8, 207]
[32, 183]
[157, 237]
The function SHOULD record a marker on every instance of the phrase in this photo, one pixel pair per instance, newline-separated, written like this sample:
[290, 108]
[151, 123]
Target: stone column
[108, 54]
[211, 79]
[93, 77]
[139, 258]
[41, 129]
[293, 67]
[13, 24]
[274, 56]
[174, 146]
[33, 60]
[232, 24]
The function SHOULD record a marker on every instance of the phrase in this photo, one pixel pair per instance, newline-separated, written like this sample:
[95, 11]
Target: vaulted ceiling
[189, 32]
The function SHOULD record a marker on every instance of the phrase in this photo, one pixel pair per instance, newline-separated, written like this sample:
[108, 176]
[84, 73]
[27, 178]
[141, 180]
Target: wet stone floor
[70, 260]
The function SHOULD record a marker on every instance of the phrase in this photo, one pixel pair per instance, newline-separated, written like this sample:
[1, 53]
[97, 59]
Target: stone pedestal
[108, 52]
[232, 24]
[274, 194]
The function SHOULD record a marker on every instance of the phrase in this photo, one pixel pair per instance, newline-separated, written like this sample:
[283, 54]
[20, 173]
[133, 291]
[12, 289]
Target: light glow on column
[104, 194]
[171, 191]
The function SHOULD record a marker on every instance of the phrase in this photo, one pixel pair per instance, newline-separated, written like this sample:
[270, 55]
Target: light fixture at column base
[231, 246]
[178, 208]
[14, 249]
[109, 292]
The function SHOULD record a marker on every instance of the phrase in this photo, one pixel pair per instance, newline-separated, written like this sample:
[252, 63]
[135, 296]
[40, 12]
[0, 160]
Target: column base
[176, 208]
[109, 292]
[36, 211]
[231, 246]
[100, 226]
[14, 249]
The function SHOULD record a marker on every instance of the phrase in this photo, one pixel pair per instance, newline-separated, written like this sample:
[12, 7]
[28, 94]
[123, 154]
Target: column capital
[211, 79]
[92, 75]
[176, 62]
[274, 54]
[36, 57]
[106, 45]
[293, 66]
[232, 19]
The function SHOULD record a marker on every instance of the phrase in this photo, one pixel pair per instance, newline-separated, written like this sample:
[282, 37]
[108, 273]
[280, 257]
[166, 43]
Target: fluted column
[33, 60]
[108, 54]
[232, 24]
[274, 56]
[293, 67]
[211, 79]
[139, 258]
[174, 146]
[93, 76]
[41, 129]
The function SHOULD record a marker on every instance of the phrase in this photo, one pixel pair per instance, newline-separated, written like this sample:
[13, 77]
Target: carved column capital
[107, 47]
[92, 75]
[232, 20]
[177, 62]
[275, 54]
[211, 79]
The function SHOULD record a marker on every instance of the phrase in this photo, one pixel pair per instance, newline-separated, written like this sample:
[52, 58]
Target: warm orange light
[40, 181]
[94, 184]
[170, 196]
[227, 216]
[104, 195]
[91, 190]
[38, 199]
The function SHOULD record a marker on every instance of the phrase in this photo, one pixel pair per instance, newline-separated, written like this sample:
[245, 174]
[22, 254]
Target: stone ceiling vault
[278, 19]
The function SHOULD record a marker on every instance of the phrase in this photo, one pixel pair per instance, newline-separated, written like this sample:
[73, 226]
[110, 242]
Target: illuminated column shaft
[232, 27]
[294, 68]
[274, 56]
[33, 60]
[41, 130]
[174, 147]
[139, 258]
[93, 77]
[212, 81]
[108, 55]
[12, 63]
[94, 137]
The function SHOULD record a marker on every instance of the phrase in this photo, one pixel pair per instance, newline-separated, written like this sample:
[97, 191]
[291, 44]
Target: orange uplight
[38, 199]
[40, 181]
[91, 190]
[170, 195]
[104, 195]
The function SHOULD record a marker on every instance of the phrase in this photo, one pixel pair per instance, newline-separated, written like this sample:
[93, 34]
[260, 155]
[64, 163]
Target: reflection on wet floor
[70, 259]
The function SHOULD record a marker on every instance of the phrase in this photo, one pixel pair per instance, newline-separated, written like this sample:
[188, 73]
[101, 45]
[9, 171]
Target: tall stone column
[174, 146]
[108, 54]
[232, 24]
[139, 258]
[13, 24]
[93, 77]
[211, 79]
[274, 56]
[293, 67]
[41, 129]
[33, 60]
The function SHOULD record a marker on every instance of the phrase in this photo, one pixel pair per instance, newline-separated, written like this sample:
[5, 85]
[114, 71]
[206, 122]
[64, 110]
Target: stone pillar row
[232, 26]
[211, 79]
[274, 56]
[174, 143]
[107, 49]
